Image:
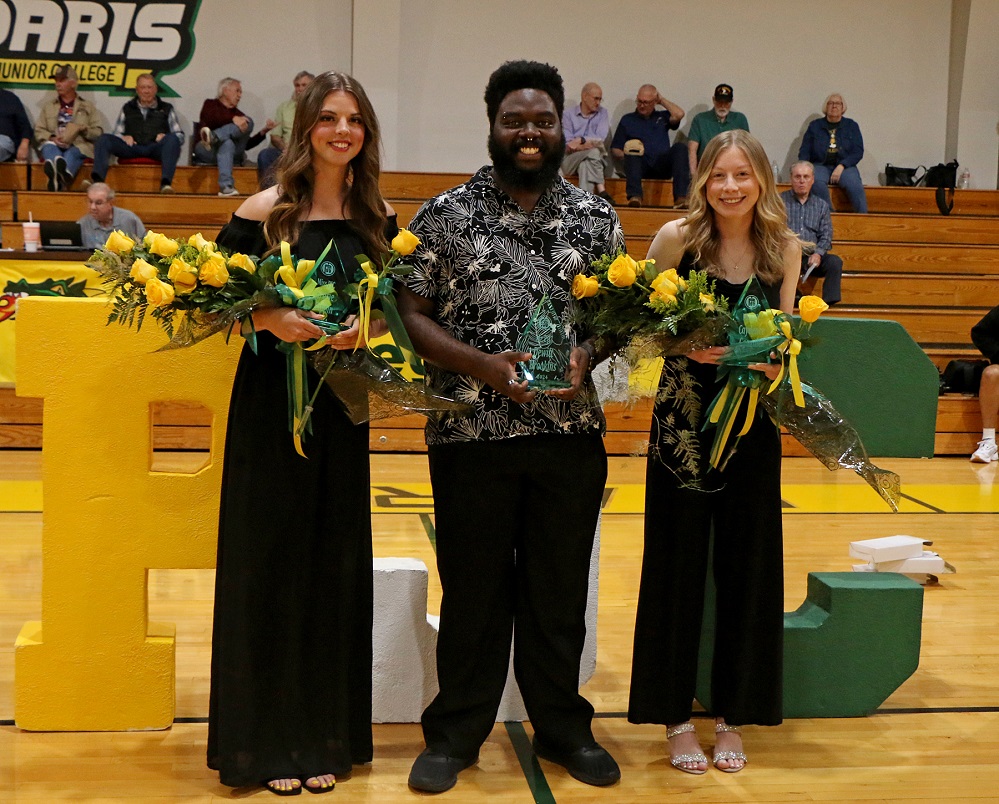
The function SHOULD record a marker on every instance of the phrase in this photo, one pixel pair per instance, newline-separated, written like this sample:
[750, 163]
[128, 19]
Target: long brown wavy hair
[769, 233]
[296, 176]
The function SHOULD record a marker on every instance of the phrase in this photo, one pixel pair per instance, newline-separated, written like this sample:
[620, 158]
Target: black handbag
[944, 178]
[896, 176]
[963, 376]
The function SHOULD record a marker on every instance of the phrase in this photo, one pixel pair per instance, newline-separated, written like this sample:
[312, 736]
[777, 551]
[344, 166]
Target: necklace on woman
[733, 269]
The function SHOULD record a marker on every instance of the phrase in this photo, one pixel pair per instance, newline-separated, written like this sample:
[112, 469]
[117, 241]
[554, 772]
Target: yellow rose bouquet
[631, 305]
[194, 289]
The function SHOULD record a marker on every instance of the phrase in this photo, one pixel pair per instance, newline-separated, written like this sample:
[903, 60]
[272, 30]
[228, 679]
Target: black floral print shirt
[486, 264]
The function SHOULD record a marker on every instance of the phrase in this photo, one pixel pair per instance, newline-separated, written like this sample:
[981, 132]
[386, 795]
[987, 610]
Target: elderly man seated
[66, 129]
[103, 217]
[285, 117]
[225, 133]
[586, 127]
[810, 217]
[642, 142]
[147, 126]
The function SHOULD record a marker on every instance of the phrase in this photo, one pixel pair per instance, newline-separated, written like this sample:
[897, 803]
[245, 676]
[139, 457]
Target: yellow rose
[707, 302]
[666, 282]
[242, 261]
[160, 244]
[623, 271]
[810, 308]
[158, 292]
[213, 272]
[200, 243]
[120, 242]
[660, 296]
[183, 276]
[142, 272]
[405, 242]
[583, 287]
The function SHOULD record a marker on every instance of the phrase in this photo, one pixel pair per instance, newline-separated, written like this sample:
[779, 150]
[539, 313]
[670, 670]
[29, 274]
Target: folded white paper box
[888, 548]
[927, 562]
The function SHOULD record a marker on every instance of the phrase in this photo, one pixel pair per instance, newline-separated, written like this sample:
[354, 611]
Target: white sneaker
[227, 192]
[987, 452]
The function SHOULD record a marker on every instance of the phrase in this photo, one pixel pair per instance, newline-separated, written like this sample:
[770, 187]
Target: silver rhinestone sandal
[679, 760]
[728, 756]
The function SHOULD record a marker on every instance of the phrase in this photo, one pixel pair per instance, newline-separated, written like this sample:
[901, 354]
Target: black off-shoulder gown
[291, 645]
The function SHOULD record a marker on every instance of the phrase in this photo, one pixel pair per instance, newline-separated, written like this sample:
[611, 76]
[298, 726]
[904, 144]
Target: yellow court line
[629, 498]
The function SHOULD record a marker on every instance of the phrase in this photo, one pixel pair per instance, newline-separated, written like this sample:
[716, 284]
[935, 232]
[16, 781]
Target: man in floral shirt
[517, 484]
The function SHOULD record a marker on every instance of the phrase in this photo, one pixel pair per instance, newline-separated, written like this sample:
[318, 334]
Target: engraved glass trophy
[546, 339]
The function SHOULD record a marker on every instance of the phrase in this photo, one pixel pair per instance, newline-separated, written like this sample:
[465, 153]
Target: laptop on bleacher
[61, 236]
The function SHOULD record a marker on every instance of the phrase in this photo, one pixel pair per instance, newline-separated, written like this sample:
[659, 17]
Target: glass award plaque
[545, 338]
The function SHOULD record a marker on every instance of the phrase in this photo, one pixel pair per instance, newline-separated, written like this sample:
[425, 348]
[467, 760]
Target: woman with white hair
[834, 144]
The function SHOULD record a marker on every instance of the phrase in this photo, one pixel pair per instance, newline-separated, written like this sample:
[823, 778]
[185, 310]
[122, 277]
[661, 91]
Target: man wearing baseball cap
[67, 128]
[713, 122]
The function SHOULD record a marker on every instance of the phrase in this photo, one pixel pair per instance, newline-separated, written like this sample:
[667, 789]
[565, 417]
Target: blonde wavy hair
[296, 176]
[769, 233]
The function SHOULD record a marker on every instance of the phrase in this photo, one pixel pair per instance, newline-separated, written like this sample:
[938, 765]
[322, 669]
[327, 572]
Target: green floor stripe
[428, 526]
[529, 764]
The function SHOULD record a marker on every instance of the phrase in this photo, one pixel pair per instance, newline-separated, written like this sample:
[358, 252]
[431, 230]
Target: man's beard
[504, 163]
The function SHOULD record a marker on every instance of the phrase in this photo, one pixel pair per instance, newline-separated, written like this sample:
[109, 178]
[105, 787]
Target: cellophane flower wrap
[194, 289]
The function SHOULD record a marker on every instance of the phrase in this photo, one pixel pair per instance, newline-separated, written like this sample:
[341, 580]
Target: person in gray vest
[146, 127]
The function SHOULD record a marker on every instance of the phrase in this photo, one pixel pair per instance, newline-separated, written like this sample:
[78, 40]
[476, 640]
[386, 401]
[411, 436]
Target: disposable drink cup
[32, 235]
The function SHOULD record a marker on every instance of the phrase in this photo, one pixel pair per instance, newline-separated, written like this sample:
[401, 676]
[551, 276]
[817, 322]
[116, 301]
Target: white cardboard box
[888, 548]
[927, 562]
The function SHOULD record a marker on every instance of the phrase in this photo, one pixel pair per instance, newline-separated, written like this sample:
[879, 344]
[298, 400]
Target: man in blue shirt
[15, 128]
[642, 142]
[810, 218]
[586, 128]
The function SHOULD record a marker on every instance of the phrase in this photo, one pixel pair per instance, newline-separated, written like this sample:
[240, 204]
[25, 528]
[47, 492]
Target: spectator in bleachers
[809, 217]
[284, 117]
[642, 141]
[103, 217]
[226, 133]
[15, 128]
[147, 126]
[714, 121]
[586, 127]
[834, 145]
[67, 129]
[985, 335]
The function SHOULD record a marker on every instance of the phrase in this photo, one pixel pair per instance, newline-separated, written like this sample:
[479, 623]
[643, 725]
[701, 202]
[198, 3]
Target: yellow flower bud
[583, 287]
[242, 261]
[405, 243]
[183, 276]
[120, 242]
[623, 271]
[160, 244]
[142, 272]
[707, 302]
[810, 308]
[158, 292]
[199, 242]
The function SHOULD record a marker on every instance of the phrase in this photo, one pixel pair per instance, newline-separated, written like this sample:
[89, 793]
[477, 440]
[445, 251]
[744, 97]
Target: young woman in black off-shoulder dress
[291, 646]
[736, 230]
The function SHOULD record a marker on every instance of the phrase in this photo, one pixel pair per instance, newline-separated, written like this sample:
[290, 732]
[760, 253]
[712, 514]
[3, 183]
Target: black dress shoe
[590, 764]
[607, 197]
[434, 772]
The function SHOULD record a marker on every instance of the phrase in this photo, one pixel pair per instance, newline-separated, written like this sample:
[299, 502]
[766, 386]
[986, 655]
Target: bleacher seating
[903, 261]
